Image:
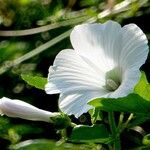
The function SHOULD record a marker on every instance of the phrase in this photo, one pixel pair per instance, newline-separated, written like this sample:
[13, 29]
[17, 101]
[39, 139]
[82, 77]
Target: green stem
[63, 134]
[117, 145]
[128, 120]
[125, 125]
[120, 123]
[121, 117]
[73, 124]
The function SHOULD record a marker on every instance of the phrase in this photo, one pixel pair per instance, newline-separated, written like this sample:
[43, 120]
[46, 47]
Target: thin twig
[43, 28]
[123, 6]
[120, 7]
[117, 9]
[35, 51]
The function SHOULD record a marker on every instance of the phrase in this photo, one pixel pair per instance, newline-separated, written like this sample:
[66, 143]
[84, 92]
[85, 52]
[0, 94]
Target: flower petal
[133, 54]
[70, 72]
[100, 43]
[76, 103]
[130, 79]
[134, 47]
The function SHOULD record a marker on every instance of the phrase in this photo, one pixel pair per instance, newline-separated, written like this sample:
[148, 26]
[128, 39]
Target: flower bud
[20, 109]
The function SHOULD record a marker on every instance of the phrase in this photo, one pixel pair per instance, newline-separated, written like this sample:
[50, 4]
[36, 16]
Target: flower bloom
[20, 109]
[105, 63]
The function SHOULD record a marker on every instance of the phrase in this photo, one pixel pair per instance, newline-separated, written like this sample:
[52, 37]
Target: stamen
[111, 85]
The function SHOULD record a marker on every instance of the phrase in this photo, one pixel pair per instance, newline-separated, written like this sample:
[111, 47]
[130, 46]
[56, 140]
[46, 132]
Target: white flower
[105, 63]
[20, 109]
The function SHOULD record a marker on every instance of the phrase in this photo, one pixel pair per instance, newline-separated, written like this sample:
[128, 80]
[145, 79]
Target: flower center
[111, 85]
[113, 79]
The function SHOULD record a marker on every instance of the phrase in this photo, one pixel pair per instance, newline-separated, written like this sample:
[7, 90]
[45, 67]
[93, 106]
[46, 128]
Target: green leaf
[146, 140]
[132, 103]
[44, 144]
[90, 134]
[36, 81]
[143, 87]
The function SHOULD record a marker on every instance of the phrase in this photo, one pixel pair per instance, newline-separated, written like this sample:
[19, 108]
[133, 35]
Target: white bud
[20, 109]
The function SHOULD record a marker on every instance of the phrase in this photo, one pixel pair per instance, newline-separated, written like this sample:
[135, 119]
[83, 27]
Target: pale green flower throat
[113, 79]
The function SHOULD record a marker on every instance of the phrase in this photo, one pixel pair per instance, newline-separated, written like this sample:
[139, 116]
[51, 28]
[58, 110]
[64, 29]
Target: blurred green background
[50, 18]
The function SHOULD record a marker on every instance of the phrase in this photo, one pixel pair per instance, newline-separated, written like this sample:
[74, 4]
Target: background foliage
[50, 18]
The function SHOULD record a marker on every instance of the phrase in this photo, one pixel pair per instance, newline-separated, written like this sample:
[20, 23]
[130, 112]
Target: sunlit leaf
[146, 140]
[132, 103]
[36, 81]
[143, 87]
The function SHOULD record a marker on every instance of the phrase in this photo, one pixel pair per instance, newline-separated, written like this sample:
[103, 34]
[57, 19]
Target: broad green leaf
[90, 134]
[36, 81]
[44, 144]
[132, 103]
[143, 87]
